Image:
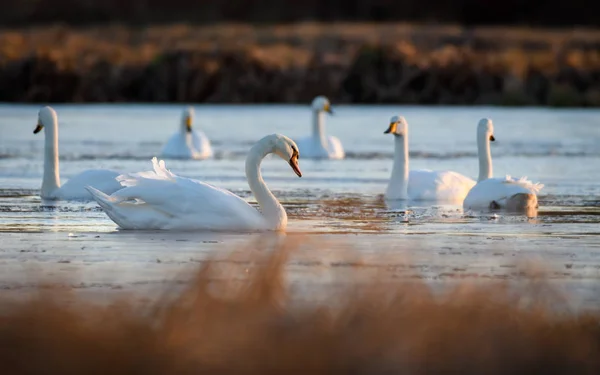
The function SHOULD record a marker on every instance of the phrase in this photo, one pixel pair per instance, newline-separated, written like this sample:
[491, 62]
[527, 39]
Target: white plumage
[319, 145]
[74, 189]
[159, 199]
[423, 184]
[504, 193]
[443, 186]
[187, 143]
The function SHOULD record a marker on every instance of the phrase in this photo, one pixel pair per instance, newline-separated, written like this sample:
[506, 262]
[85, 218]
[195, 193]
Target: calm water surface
[560, 148]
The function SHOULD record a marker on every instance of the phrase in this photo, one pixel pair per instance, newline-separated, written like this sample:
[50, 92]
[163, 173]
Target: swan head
[398, 126]
[321, 104]
[187, 118]
[485, 129]
[286, 149]
[46, 117]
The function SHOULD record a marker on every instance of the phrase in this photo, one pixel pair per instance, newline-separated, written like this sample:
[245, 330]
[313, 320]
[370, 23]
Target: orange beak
[294, 165]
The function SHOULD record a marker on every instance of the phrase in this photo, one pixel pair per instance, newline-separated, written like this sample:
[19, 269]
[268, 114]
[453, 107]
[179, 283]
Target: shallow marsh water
[336, 206]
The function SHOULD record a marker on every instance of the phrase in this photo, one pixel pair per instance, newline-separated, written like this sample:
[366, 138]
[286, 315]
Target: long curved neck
[398, 185]
[51, 179]
[485, 157]
[272, 210]
[319, 128]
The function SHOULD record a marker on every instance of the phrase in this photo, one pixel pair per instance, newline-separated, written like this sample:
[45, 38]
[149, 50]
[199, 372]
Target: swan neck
[398, 185]
[183, 126]
[51, 180]
[485, 157]
[319, 128]
[188, 140]
[272, 210]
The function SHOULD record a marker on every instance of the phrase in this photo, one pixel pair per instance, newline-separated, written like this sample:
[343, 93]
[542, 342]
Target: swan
[74, 189]
[159, 199]
[508, 193]
[188, 143]
[421, 184]
[319, 145]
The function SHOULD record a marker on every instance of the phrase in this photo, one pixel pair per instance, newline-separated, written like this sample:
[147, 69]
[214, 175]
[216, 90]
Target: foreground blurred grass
[359, 62]
[240, 317]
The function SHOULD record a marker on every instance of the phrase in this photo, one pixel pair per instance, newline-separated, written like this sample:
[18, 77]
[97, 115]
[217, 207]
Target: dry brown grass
[224, 323]
[358, 62]
[128, 45]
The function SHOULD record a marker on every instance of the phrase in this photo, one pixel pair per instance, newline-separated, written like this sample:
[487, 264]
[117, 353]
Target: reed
[242, 317]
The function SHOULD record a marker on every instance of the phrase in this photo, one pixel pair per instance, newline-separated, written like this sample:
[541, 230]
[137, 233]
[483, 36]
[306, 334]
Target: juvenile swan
[74, 188]
[188, 143]
[319, 145]
[511, 194]
[159, 199]
[421, 184]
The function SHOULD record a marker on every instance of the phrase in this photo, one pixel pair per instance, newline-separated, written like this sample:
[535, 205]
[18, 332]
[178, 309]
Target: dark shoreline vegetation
[238, 315]
[349, 62]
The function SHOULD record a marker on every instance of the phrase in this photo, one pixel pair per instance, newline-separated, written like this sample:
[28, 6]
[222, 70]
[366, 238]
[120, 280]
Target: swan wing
[311, 148]
[101, 179]
[438, 185]
[201, 144]
[524, 183]
[177, 147]
[159, 199]
[336, 150]
[499, 190]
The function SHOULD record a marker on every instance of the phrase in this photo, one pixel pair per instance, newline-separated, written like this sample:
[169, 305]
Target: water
[339, 200]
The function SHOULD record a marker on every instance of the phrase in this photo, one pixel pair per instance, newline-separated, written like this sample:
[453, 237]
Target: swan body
[507, 193]
[423, 184]
[159, 199]
[445, 186]
[188, 143]
[74, 189]
[319, 145]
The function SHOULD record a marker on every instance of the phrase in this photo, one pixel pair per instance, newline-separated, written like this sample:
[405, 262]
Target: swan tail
[98, 195]
[108, 204]
[522, 202]
[104, 200]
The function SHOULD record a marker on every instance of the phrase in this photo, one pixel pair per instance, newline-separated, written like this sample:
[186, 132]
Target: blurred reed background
[241, 315]
[264, 51]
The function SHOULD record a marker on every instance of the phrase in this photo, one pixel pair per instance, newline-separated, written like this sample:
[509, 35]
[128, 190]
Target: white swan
[161, 200]
[188, 143]
[511, 194]
[446, 186]
[319, 145]
[74, 188]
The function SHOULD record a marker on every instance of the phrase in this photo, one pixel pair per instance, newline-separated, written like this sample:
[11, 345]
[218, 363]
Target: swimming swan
[159, 199]
[421, 184]
[74, 188]
[511, 194]
[319, 145]
[188, 143]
